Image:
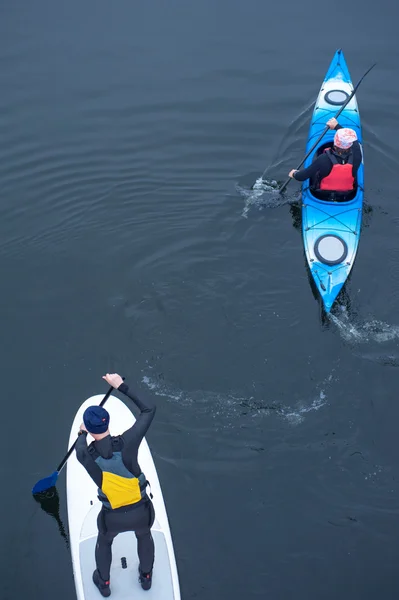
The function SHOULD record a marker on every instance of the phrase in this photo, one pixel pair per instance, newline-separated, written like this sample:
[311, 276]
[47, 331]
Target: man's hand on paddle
[332, 123]
[113, 379]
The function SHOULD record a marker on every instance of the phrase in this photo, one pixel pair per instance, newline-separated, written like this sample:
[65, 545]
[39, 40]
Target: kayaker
[111, 461]
[336, 168]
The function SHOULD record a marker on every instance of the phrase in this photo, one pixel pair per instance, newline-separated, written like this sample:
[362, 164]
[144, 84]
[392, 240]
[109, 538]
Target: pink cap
[344, 138]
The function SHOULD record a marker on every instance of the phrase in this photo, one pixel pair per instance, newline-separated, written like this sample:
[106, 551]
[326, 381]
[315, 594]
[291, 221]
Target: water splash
[220, 403]
[295, 415]
[264, 194]
[362, 333]
[161, 390]
[229, 405]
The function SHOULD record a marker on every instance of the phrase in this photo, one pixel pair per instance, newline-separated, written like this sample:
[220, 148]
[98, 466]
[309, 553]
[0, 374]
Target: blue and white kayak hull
[331, 229]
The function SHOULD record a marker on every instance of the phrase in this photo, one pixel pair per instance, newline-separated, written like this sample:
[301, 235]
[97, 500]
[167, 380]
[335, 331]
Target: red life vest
[341, 177]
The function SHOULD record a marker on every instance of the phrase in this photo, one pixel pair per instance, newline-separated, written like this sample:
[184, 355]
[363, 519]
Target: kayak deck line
[346, 227]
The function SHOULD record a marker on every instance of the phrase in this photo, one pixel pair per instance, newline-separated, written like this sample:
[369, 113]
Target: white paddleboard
[83, 508]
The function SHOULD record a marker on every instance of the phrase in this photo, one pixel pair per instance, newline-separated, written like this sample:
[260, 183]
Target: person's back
[123, 484]
[341, 177]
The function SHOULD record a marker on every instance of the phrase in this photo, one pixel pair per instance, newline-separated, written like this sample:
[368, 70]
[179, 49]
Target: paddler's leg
[145, 546]
[139, 519]
[145, 549]
[103, 554]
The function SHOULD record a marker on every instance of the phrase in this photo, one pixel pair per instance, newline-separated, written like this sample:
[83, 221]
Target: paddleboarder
[111, 461]
[336, 168]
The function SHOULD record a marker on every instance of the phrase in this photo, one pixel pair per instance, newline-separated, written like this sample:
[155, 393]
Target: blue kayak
[331, 221]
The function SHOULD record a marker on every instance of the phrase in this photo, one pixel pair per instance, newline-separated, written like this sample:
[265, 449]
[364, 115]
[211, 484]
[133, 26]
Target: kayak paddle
[327, 127]
[51, 480]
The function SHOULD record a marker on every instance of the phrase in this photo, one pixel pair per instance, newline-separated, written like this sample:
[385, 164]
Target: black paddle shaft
[327, 128]
[72, 448]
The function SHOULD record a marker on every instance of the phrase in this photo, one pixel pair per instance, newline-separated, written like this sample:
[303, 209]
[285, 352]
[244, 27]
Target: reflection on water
[50, 503]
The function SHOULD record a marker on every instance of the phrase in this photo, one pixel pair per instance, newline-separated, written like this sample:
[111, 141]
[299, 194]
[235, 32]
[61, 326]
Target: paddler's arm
[320, 165]
[147, 409]
[333, 124]
[135, 434]
[310, 171]
[84, 457]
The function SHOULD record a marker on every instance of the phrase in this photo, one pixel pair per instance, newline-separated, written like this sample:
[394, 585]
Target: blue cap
[96, 419]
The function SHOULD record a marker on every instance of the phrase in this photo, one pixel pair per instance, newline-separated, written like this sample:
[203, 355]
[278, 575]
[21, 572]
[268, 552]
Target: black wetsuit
[138, 518]
[322, 166]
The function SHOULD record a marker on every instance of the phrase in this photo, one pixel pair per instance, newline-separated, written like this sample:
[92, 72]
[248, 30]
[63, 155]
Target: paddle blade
[45, 484]
[50, 503]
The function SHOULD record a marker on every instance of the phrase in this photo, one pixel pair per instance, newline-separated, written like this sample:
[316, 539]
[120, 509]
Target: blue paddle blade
[45, 484]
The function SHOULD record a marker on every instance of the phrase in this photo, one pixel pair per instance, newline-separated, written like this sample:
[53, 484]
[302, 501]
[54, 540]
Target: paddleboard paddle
[48, 482]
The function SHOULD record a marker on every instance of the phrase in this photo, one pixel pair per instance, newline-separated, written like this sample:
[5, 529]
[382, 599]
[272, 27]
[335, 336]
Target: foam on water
[362, 333]
[161, 390]
[264, 194]
[295, 415]
[228, 405]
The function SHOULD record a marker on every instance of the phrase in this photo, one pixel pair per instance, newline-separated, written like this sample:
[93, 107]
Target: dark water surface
[130, 135]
